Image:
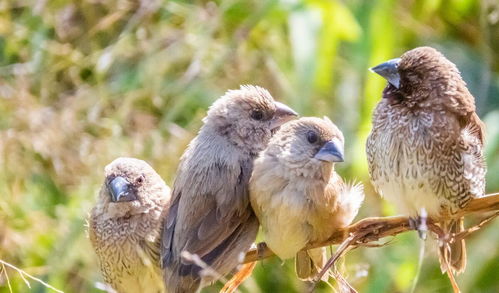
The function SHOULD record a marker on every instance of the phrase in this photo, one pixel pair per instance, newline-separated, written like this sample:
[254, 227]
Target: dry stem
[23, 275]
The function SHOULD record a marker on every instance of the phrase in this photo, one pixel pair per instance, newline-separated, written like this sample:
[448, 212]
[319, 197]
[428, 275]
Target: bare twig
[339, 252]
[23, 275]
[232, 285]
[344, 285]
[375, 228]
[7, 277]
[207, 270]
[452, 279]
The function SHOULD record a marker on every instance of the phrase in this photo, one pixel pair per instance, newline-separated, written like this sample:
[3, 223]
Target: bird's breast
[403, 151]
[284, 217]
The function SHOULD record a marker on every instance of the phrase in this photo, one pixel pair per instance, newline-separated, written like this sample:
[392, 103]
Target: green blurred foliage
[83, 82]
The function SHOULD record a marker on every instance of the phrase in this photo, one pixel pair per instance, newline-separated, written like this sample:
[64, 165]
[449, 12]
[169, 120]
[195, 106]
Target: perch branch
[375, 228]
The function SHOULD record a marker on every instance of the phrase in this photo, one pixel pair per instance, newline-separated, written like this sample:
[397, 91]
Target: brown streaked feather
[425, 147]
[126, 235]
[477, 127]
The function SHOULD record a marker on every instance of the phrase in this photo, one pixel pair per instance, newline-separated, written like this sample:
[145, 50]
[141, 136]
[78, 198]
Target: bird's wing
[462, 104]
[168, 230]
[208, 216]
[477, 127]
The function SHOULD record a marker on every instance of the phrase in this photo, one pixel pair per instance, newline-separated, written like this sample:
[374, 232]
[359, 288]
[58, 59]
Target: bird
[297, 195]
[210, 224]
[125, 226]
[425, 149]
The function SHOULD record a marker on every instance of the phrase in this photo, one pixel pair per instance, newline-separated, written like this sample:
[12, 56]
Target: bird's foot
[419, 224]
[260, 248]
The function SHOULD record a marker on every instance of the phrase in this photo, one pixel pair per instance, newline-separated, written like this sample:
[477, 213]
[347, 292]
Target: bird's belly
[151, 281]
[285, 227]
[127, 268]
[142, 281]
[406, 179]
[410, 196]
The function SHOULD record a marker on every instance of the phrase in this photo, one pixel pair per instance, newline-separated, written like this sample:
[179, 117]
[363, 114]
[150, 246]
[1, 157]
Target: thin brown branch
[477, 227]
[339, 252]
[452, 279]
[375, 228]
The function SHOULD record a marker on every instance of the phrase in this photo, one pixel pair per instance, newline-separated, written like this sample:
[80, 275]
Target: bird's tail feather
[309, 263]
[453, 255]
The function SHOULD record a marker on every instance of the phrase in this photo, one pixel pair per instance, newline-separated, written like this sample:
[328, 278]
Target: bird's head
[131, 186]
[418, 74]
[308, 142]
[247, 117]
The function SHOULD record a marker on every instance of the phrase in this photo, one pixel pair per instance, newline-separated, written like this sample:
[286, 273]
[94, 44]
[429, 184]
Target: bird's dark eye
[257, 114]
[312, 137]
[140, 179]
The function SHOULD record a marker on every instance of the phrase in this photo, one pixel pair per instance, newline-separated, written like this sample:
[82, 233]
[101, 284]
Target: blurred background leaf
[83, 82]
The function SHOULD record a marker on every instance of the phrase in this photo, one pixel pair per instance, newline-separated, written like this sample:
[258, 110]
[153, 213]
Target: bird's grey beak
[389, 70]
[282, 115]
[121, 190]
[331, 151]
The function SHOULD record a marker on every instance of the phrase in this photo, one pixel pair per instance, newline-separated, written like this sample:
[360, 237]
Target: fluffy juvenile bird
[125, 225]
[425, 147]
[210, 215]
[296, 194]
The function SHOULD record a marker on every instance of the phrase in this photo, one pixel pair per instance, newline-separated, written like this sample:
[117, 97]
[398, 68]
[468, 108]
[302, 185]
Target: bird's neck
[406, 98]
[326, 170]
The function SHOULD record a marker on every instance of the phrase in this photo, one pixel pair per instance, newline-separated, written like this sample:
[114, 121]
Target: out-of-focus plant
[83, 82]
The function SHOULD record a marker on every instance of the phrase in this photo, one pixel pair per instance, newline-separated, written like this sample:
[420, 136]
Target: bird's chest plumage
[290, 218]
[404, 151]
[126, 264]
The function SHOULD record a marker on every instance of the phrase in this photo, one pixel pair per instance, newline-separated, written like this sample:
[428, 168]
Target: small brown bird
[425, 149]
[125, 226]
[210, 215]
[296, 194]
